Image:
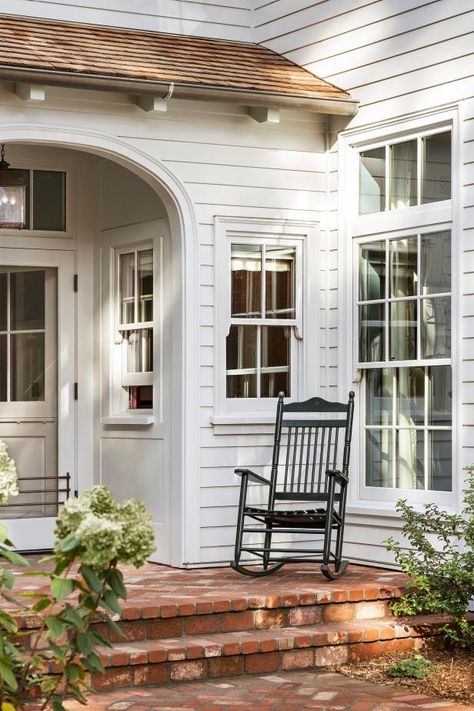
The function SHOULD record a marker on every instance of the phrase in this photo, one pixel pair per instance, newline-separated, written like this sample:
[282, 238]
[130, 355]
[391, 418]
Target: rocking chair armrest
[251, 475]
[340, 478]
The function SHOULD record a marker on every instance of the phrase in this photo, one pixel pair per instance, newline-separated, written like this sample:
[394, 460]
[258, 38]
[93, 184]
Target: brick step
[257, 651]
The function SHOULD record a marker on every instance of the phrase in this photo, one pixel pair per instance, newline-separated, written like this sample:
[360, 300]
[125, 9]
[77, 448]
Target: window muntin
[258, 354]
[45, 202]
[135, 316]
[405, 173]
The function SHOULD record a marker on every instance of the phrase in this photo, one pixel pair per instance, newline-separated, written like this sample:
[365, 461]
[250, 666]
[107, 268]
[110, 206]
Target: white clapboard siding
[226, 19]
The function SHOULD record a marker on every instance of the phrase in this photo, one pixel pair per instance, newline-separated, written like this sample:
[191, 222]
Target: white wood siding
[226, 19]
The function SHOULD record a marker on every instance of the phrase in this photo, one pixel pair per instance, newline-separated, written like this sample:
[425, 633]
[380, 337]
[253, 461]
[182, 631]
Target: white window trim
[305, 350]
[402, 222]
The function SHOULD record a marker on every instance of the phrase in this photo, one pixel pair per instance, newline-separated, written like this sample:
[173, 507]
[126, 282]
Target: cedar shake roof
[66, 48]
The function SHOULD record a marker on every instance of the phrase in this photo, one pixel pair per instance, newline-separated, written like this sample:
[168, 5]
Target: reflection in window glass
[27, 300]
[3, 301]
[275, 368]
[402, 331]
[411, 396]
[379, 397]
[436, 263]
[441, 459]
[141, 397]
[409, 459]
[403, 175]
[145, 285]
[379, 458]
[241, 347]
[49, 200]
[27, 367]
[127, 287]
[403, 267]
[3, 367]
[372, 271]
[371, 332]
[436, 327]
[372, 181]
[139, 350]
[440, 401]
[279, 282]
[246, 270]
[437, 168]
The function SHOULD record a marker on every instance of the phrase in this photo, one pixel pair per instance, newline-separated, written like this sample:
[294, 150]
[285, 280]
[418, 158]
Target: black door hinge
[76, 390]
[76, 282]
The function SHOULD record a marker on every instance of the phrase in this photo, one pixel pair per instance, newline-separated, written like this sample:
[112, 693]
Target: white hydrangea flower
[8, 475]
[100, 539]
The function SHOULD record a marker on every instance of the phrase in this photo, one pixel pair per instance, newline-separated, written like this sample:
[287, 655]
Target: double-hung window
[403, 245]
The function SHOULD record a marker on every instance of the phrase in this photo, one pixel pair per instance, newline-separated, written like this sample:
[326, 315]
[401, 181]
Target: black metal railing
[58, 490]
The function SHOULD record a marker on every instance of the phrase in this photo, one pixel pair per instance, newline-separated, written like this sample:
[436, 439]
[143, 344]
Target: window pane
[49, 200]
[437, 167]
[440, 460]
[3, 302]
[13, 207]
[403, 267]
[139, 350]
[440, 396]
[141, 397]
[145, 285]
[372, 271]
[403, 330]
[436, 263]
[378, 458]
[3, 368]
[411, 396]
[403, 191]
[371, 332]
[372, 181]
[27, 367]
[410, 468]
[279, 282]
[275, 361]
[127, 287]
[26, 300]
[241, 347]
[378, 396]
[246, 267]
[436, 327]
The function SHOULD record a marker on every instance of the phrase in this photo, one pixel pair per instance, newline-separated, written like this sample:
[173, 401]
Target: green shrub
[416, 667]
[440, 563]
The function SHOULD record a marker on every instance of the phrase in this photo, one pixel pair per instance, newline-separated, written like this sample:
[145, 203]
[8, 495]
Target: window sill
[129, 419]
[243, 419]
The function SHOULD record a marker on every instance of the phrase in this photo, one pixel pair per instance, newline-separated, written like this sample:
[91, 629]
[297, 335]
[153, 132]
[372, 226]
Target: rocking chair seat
[308, 518]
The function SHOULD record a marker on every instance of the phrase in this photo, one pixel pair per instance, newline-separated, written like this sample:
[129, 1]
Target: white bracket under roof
[30, 92]
[265, 114]
[150, 103]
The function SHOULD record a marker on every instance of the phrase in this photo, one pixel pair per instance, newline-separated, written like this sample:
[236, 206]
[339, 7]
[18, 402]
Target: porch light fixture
[12, 195]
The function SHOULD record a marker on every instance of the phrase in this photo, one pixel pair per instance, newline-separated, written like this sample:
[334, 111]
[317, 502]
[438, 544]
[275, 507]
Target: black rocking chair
[310, 465]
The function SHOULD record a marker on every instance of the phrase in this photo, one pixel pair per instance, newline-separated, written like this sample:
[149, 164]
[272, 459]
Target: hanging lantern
[12, 195]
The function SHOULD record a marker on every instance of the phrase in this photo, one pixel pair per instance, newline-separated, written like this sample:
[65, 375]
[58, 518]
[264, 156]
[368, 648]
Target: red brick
[387, 633]
[337, 637]
[270, 619]
[132, 632]
[131, 613]
[371, 593]
[187, 671]
[196, 652]
[239, 604]
[364, 651]
[169, 610]
[262, 663]
[354, 636]
[338, 613]
[370, 610]
[226, 666]
[299, 616]
[339, 596]
[307, 598]
[186, 609]
[204, 608]
[273, 601]
[163, 629]
[303, 640]
[231, 648]
[138, 658]
[250, 646]
[268, 645]
[236, 622]
[118, 659]
[298, 659]
[289, 600]
[222, 606]
[205, 624]
[150, 674]
[356, 595]
[156, 656]
[176, 654]
[371, 635]
[320, 639]
[112, 678]
[150, 611]
[331, 656]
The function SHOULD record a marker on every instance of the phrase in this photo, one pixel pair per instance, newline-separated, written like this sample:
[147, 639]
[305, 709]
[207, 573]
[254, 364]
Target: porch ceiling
[60, 52]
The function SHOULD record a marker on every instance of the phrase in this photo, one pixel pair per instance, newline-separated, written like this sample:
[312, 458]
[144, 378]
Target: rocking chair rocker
[307, 469]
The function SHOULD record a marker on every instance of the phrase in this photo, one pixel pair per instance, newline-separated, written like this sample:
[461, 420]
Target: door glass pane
[127, 287]
[372, 181]
[403, 330]
[141, 397]
[145, 285]
[403, 267]
[371, 332]
[437, 168]
[372, 271]
[440, 460]
[440, 396]
[436, 263]
[49, 200]
[241, 351]
[411, 396]
[275, 365]
[3, 368]
[378, 396]
[139, 350]
[403, 191]
[410, 469]
[279, 282]
[246, 267]
[436, 327]
[379, 458]
[27, 367]
[3, 302]
[27, 300]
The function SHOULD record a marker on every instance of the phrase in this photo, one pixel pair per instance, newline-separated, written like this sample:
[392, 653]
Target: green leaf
[8, 676]
[71, 615]
[59, 651]
[41, 604]
[112, 625]
[85, 643]
[91, 578]
[110, 602]
[74, 672]
[115, 580]
[3, 533]
[61, 588]
[94, 662]
[14, 558]
[58, 705]
[55, 626]
[68, 543]
[8, 579]
[7, 706]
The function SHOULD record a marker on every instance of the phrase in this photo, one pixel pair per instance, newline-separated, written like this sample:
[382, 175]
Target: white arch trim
[185, 423]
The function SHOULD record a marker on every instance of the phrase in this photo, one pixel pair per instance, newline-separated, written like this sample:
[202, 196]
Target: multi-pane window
[405, 173]
[45, 207]
[404, 306]
[263, 312]
[135, 324]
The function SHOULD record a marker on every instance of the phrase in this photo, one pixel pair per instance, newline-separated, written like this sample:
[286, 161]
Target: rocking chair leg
[267, 544]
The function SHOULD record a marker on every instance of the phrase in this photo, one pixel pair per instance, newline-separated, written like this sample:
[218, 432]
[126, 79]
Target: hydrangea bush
[94, 534]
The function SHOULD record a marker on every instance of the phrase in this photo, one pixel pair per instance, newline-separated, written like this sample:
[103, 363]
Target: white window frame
[304, 366]
[403, 222]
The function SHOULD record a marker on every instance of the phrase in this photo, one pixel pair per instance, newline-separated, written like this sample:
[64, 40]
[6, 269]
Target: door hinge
[76, 493]
[76, 390]
[76, 282]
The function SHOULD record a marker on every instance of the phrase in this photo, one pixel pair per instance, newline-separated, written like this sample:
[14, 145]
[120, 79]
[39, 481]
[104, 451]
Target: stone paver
[289, 691]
